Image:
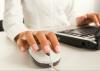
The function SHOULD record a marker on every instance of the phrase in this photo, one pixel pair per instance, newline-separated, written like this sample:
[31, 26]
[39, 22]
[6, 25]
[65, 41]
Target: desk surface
[72, 57]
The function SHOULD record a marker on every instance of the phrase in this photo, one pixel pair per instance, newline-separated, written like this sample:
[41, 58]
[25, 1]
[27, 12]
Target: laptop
[83, 37]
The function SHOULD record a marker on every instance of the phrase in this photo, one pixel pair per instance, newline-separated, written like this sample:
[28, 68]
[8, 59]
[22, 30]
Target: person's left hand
[87, 19]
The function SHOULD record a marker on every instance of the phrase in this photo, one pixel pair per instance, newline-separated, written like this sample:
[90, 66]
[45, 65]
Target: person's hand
[46, 40]
[87, 19]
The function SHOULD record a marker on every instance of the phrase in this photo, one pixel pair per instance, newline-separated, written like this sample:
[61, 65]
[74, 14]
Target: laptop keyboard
[84, 32]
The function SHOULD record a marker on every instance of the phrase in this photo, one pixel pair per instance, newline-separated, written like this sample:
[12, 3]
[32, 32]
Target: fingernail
[32, 50]
[35, 47]
[98, 24]
[22, 49]
[47, 49]
[57, 49]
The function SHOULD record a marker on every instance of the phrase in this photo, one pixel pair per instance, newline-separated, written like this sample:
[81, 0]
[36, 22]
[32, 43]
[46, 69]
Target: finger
[54, 42]
[31, 41]
[98, 15]
[80, 20]
[21, 45]
[93, 18]
[43, 41]
[25, 44]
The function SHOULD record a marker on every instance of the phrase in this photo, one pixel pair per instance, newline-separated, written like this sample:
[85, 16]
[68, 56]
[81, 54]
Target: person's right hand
[46, 40]
[87, 19]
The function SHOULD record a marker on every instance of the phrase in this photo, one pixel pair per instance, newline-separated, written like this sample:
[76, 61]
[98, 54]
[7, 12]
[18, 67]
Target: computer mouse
[42, 60]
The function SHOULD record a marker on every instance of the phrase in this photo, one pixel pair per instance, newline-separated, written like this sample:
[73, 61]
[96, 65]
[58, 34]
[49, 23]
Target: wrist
[18, 36]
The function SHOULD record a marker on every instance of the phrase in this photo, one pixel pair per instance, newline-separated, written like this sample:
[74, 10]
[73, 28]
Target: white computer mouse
[42, 60]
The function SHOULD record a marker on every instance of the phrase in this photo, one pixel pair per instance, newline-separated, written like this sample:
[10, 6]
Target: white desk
[72, 58]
